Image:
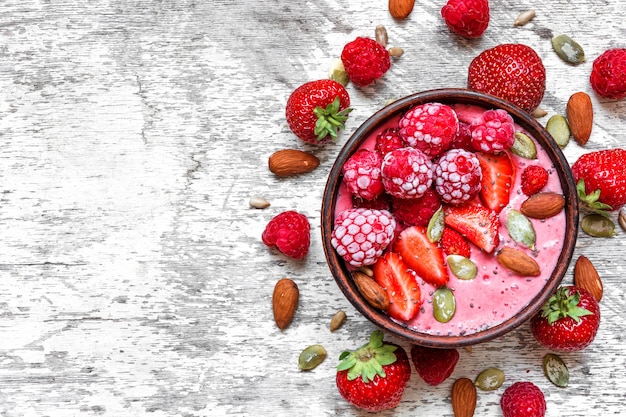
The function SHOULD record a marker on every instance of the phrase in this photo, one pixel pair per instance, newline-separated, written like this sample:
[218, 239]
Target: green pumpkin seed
[444, 305]
[559, 129]
[462, 267]
[520, 228]
[568, 49]
[597, 225]
[490, 379]
[555, 370]
[524, 146]
[311, 357]
[435, 226]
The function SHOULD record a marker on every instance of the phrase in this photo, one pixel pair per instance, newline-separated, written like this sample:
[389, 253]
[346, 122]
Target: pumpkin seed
[338, 319]
[444, 305]
[435, 226]
[568, 49]
[338, 72]
[490, 379]
[311, 357]
[555, 370]
[621, 218]
[462, 267]
[524, 146]
[597, 225]
[520, 228]
[558, 128]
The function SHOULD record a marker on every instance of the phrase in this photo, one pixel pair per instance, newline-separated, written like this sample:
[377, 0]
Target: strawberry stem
[368, 360]
[564, 304]
[330, 119]
[590, 201]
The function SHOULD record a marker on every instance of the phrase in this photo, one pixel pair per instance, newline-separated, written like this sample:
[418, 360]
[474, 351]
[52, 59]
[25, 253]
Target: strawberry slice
[498, 177]
[405, 296]
[477, 224]
[422, 255]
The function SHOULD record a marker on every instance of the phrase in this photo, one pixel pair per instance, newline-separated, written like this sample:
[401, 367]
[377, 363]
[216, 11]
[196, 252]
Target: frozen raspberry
[523, 399]
[493, 132]
[389, 140]
[361, 235]
[289, 232]
[463, 139]
[361, 174]
[608, 75]
[365, 60]
[457, 176]
[429, 127]
[453, 243]
[382, 202]
[407, 173]
[534, 178]
[466, 18]
[416, 211]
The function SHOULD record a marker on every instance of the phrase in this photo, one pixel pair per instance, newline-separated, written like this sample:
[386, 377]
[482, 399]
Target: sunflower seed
[259, 203]
[524, 18]
[381, 35]
[337, 321]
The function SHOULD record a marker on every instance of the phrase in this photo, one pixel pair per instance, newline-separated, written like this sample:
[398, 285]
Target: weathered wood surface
[133, 280]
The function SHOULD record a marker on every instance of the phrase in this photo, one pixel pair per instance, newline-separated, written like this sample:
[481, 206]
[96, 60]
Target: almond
[579, 113]
[518, 262]
[543, 205]
[288, 162]
[463, 398]
[373, 293]
[401, 9]
[586, 276]
[285, 302]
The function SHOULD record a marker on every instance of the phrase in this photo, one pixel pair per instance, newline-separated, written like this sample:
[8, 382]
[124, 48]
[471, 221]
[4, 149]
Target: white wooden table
[133, 280]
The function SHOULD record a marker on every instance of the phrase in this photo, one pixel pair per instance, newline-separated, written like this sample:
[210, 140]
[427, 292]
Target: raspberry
[389, 140]
[416, 211]
[407, 173]
[453, 243]
[361, 174]
[382, 202]
[493, 132]
[361, 235]
[365, 60]
[463, 139]
[429, 127]
[466, 18]
[523, 399]
[457, 176]
[534, 178]
[608, 75]
[289, 232]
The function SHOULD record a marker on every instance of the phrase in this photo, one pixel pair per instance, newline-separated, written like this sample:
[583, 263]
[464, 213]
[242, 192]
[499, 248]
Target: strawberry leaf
[330, 119]
[563, 304]
[367, 361]
[590, 201]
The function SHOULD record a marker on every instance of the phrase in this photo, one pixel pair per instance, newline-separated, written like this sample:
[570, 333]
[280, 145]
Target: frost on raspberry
[493, 132]
[362, 174]
[361, 235]
[407, 173]
[289, 232]
[457, 176]
[429, 127]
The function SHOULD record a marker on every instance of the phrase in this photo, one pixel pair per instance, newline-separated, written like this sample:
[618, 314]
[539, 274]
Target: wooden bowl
[340, 270]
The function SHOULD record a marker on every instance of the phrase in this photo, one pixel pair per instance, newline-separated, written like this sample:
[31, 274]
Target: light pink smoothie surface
[496, 294]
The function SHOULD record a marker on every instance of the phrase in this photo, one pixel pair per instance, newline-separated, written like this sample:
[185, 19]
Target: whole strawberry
[365, 60]
[374, 376]
[523, 399]
[568, 321]
[317, 110]
[513, 72]
[289, 232]
[601, 179]
[466, 18]
[608, 75]
[434, 365]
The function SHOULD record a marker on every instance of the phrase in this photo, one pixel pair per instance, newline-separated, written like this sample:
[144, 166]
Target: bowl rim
[339, 269]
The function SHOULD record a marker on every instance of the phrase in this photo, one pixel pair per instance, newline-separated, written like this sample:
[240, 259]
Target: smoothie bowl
[433, 225]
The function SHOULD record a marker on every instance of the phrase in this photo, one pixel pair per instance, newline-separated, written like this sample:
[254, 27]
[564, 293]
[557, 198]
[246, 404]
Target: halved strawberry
[422, 255]
[477, 224]
[405, 296]
[498, 177]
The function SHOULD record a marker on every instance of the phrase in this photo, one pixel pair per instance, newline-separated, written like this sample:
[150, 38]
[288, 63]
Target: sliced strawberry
[405, 296]
[477, 224]
[453, 243]
[422, 255]
[498, 177]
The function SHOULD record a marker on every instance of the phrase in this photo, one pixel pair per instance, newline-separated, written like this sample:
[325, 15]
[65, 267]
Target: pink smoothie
[496, 294]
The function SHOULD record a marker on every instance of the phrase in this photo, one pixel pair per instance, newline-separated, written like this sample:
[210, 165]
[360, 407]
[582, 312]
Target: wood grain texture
[133, 280]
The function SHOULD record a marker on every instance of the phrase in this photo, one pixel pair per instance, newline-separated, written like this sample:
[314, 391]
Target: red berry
[289, 232]
[513, 72]
[457, 176]
[466, 18]
[361, 235]
[407, 173]
[365, 60]
[361, 174]
[382, 202]
[534, 178]
[604, 178]
[416, 211]
[463, 139]
[453, 243]
[389, 140]
[608, 75]
[429, 127]
[498, 177]
[421, 255]
[477, 224]
[493, 132]
[317, 110]
[523, 399]
[434, 365]
[400, 284]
